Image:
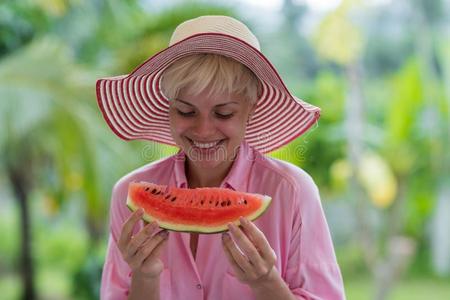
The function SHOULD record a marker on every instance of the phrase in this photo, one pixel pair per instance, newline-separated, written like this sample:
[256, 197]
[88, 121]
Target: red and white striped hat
[135, 108]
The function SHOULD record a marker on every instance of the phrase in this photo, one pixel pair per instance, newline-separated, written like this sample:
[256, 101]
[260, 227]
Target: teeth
[206, 145]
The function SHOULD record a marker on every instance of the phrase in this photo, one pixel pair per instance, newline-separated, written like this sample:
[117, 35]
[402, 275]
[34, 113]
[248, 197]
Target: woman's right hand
[143, 250]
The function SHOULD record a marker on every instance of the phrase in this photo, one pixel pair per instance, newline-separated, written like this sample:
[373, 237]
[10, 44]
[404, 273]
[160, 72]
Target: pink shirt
[294, 225]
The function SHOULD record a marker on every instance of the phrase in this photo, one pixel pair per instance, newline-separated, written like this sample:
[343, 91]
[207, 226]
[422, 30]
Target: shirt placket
[197, 284]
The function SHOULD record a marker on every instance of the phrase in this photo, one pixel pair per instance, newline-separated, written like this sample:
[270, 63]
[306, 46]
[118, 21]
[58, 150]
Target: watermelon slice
[202, 210]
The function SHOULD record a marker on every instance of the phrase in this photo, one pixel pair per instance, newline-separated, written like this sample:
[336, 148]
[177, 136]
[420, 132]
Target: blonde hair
[200, 71]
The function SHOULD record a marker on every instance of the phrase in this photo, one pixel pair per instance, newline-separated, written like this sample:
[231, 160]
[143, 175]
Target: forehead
[210, 99]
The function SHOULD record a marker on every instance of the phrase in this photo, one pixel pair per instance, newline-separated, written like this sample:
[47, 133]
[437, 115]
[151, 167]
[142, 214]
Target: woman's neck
[206, 178]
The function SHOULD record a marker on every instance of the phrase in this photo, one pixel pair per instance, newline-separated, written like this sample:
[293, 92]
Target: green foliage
[9, 245]
[322, 145]
[405, 104]
[60, 245]
[419, 206]
[155, 33]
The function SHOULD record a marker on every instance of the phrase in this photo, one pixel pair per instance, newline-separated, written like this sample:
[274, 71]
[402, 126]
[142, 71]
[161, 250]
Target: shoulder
[294, 193]
[284, 173]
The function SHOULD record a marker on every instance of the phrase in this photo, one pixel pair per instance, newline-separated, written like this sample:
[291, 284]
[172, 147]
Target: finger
[258, 238]
[138, 240]
[245, 245]
[152, 264]
[147, 248]
[248, 231]
[127, 227]
[156, 253]
[236, 268]
[238, 257]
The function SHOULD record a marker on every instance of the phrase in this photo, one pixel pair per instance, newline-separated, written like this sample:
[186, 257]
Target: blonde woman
[213, 94]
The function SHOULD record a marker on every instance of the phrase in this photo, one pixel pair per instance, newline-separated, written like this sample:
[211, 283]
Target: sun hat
[135, 108]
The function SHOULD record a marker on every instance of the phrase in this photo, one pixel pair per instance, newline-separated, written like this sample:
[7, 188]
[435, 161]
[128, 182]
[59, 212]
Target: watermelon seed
[168, 196]
[217, 203]
[158, 192]
[228, 203]
[223, 203]
[245, 201]
[153, 191]
[174, 198]
[202, 202]
[210, 201]
[146, 189]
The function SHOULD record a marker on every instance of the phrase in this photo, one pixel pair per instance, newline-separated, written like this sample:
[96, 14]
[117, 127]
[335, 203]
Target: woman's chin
[203, 161]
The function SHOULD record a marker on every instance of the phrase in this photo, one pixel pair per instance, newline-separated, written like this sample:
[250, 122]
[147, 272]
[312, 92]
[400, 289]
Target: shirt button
[199, 286]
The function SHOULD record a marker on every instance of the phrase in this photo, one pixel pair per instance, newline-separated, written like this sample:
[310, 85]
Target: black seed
[217, 203]
[167, 197]
[153, 191]
[158, 192]
[202, 202]
[210, 201]
[174, 198]
[245, 201]
[147, 188]
[223, 203]
[228, 203]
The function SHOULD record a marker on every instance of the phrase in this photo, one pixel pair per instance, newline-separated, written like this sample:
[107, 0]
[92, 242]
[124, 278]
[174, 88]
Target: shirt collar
[237, 177]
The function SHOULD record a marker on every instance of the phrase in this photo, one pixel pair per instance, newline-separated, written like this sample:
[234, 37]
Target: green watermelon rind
[266, 200]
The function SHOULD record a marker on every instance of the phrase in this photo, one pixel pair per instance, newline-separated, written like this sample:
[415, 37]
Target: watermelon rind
[266, 200]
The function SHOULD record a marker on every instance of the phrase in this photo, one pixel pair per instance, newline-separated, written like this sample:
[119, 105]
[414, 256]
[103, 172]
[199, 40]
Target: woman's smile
[212, 144]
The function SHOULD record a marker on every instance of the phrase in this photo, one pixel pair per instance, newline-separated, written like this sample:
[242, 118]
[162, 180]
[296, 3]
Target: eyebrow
[221, 104]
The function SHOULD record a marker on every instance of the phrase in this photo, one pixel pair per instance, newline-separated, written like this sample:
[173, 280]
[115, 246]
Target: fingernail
[225, 236]
[164, 233]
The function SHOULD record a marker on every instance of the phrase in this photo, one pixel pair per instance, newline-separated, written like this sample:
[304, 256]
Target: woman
[214, 95]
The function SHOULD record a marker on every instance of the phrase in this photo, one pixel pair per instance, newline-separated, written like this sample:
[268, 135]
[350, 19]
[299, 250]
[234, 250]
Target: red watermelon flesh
[203, 210]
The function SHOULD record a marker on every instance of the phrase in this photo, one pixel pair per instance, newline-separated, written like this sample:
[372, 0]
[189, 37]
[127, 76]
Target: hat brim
[135, 108]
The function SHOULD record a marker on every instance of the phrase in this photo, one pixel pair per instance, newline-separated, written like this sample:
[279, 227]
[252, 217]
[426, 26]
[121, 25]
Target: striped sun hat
[136, 109]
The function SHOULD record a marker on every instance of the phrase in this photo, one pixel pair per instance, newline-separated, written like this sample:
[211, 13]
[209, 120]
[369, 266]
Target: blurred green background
[379, 69]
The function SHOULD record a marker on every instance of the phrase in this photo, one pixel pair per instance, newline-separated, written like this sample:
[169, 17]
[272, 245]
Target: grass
[407, 289]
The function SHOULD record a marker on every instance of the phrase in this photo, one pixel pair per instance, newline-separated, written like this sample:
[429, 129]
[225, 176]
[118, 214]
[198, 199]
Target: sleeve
[312, 271]
[116, 272]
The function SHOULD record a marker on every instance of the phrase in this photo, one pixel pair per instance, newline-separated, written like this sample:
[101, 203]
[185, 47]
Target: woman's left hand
[255, 265]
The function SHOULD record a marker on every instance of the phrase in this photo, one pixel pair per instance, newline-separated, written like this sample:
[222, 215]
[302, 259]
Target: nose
[204, 127]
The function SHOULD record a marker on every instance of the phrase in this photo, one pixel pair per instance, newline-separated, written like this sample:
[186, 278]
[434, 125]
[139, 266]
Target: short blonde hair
[217, 72]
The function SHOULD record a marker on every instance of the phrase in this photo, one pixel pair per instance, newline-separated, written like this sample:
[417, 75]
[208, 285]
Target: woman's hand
[256, 264]
[143, 250]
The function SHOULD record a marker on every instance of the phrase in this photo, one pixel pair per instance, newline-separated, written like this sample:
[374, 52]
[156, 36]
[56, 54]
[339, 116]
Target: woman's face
[209, 129]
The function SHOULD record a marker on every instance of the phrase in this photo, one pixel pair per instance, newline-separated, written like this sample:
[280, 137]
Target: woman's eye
[185, 114]
[224, 116]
